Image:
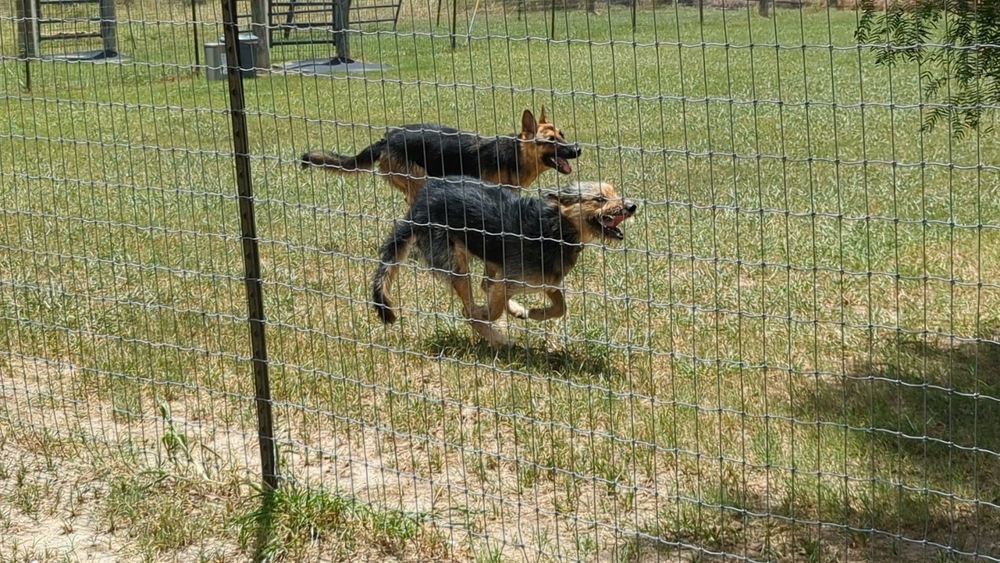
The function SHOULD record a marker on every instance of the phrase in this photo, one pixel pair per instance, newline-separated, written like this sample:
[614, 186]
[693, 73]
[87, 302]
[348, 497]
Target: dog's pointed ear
[563, 195]
[542, 118]
[551, 194]
[529, 127]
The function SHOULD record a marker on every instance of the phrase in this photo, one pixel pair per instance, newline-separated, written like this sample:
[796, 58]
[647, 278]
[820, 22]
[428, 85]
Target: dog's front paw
[498, 341]
[490, 334]
[517, 310]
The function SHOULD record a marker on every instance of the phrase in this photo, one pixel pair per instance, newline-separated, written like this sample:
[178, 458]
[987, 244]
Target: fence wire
[792, 355]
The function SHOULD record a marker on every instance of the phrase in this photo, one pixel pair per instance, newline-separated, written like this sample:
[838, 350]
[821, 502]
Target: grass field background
[793, 355]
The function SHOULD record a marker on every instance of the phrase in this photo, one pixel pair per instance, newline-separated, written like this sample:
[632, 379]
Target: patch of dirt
[477, 498]
[60, 452]
[49, 512]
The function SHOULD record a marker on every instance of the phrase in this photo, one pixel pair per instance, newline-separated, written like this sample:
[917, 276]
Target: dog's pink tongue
[614, 221]
[564, 166]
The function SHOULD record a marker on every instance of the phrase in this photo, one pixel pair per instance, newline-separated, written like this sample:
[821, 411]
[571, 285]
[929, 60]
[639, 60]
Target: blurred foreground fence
[793, 354]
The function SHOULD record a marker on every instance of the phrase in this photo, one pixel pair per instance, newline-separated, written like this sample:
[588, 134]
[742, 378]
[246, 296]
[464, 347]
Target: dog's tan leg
[514, 308]
[405, 178]
[463, 289]
[496, 300]
[415, 177]
[461, 284]
[489, 272]
[556, 308]
[389, 174]
[411, 188]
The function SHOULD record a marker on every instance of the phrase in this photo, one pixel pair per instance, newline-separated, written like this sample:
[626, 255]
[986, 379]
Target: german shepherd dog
[532, 243]
[409, 155]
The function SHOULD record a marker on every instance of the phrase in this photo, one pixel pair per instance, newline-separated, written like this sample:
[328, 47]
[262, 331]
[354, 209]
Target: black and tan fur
[531, 243]
[409, 155]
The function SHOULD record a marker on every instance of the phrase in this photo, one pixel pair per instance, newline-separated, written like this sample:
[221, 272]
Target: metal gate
[61, 20]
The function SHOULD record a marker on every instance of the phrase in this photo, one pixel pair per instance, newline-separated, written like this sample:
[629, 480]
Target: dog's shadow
[584, 362]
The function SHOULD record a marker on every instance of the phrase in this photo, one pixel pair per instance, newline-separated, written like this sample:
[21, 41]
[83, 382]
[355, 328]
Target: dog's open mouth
[559, 163]
[609, 224]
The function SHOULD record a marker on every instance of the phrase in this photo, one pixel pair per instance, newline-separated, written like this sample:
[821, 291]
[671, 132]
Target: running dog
[409, 155]
[531, 243]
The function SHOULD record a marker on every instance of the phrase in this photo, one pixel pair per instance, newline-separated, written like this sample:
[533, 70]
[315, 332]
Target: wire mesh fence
[791, 355]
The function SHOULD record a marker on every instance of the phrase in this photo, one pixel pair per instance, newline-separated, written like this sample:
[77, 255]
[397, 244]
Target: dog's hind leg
[490, 277]
[481, 318]
[407, 178]
[496, 300]
[461, 283]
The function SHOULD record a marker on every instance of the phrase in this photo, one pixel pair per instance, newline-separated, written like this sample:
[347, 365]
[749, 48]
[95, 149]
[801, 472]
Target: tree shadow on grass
[298, 522]
[907, 469]
[924, 415]
[579, 362]
[256, 528]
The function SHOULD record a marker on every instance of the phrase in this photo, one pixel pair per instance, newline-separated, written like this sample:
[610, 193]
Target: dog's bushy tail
[364, 160]
[393, 251]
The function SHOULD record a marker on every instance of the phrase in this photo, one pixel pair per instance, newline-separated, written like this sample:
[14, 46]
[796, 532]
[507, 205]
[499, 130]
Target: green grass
[798, 329]
[283, 524]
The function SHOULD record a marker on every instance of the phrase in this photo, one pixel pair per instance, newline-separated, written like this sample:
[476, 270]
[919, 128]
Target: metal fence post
[251, 254]
[109, 33]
